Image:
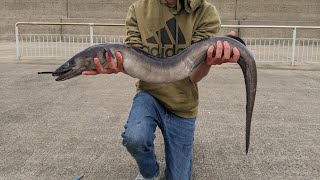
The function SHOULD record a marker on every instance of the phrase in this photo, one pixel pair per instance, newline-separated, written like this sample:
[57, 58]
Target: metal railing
[59, 45]
[271, 49]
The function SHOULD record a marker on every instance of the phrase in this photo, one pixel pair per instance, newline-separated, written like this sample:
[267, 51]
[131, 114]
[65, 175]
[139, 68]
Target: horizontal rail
[74, 24]
[262, 26]
[122, 24]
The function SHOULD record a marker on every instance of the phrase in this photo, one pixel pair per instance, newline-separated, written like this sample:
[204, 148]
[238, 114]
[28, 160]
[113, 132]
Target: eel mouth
[67, 74]
[68, 70]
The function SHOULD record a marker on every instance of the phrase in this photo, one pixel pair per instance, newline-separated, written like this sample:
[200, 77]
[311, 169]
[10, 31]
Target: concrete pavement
[61, 130]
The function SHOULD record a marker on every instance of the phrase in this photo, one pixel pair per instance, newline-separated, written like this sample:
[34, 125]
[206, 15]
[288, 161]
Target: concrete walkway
[60, 130]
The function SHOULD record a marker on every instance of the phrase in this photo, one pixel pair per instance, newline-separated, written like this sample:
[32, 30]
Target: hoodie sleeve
[133, 34]
[208, 24]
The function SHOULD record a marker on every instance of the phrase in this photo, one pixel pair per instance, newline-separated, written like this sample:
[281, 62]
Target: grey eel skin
[146, 67]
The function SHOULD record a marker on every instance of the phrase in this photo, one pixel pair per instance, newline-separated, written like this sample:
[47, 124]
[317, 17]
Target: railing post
[294, 37]
[17, 41]
[91, 34]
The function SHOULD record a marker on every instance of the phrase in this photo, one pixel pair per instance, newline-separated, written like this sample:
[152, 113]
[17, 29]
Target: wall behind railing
[253, 12]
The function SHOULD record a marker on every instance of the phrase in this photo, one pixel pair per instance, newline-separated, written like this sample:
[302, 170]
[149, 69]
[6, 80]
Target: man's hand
[113, 69]
[202, 70]
[225, 48]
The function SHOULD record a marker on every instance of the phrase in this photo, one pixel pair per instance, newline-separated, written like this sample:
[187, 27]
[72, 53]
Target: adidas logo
[168, 40]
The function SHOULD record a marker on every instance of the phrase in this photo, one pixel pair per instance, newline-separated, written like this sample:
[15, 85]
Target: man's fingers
[226, 50]
[99, 67]
[218, 57]
[209, 55]
[89, 72]
[232, 33]
[111, 63]
[112, 67]
[219, 50]
[236, 55]
[119, 62]
[223, 53]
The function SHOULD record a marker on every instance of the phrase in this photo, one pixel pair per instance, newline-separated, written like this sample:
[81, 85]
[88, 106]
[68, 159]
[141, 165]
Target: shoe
[140, 177]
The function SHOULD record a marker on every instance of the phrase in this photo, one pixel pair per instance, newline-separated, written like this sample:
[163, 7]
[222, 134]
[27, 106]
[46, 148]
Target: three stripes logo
[169, 37]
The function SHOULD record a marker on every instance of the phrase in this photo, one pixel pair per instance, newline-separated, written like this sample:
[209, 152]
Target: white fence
[279, 50]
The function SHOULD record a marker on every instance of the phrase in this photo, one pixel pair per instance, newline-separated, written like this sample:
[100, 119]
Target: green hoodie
[164, 31]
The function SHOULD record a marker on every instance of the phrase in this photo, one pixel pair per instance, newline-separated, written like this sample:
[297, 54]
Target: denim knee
[137, 143]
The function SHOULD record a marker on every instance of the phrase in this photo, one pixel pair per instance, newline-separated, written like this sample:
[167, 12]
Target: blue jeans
[178, 133]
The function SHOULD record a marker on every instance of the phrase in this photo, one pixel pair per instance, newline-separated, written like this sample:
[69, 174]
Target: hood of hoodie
[188, 5]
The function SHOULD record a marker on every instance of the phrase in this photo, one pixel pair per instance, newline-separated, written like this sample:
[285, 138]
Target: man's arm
[133, 33]
[209, 25]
